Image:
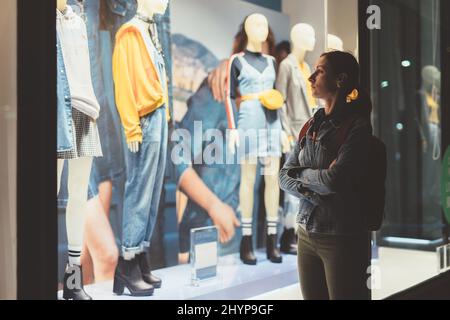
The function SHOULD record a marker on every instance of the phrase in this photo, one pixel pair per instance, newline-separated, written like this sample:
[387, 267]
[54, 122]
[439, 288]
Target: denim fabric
[92, 15]
[113, 128]
[120, 11]
[222, 179]
[64, 104]
[123, 8]
[145, 177]
[253, 116]
[165, 37]
[111, 165]
[329, 201]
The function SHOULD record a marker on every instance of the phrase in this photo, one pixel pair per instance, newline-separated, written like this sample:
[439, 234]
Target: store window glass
[405, 75]
[148, 91]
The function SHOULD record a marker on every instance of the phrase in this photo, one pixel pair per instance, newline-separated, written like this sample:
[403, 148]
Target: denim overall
[145, 169]
[254, 117]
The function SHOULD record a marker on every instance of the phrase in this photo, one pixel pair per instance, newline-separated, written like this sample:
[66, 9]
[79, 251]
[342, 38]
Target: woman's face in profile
[323, 84]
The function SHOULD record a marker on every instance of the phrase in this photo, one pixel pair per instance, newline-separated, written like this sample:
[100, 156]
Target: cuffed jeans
[333, 267]
[145, 177]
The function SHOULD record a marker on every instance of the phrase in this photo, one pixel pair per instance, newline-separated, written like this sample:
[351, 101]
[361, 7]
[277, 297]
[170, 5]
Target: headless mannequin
[257, 30]
[303, 41]
[148, 8]
[133, 270]
[335, 43]
[79, 171]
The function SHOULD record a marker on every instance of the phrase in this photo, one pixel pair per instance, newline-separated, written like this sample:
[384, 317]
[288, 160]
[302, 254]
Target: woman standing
[326, 172]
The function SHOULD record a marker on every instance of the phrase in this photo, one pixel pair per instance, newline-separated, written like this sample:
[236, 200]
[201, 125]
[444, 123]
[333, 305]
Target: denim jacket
[120, 11]
[64, 104]
[123, 8]
[329, 201]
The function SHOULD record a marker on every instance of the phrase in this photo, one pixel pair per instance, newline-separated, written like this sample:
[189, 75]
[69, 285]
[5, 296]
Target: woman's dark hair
[340, 62]
[241, 40]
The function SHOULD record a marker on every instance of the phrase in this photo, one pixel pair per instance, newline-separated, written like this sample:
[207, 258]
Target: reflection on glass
[406, 85]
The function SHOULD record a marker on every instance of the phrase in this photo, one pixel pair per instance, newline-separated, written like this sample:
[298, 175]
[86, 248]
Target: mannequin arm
[133, 146]
[282, 85]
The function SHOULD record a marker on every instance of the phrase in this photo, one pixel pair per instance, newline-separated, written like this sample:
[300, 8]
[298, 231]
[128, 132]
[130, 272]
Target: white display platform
[235, 281]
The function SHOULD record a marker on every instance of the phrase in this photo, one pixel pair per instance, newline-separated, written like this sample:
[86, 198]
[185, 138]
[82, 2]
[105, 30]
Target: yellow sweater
[138, 89]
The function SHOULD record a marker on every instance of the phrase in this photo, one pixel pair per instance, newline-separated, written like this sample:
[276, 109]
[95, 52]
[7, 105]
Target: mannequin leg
[248, 178]
[272, 190]
[271, 201]
[60, 168]
[288, 240]
[78, 184]
[246, 197]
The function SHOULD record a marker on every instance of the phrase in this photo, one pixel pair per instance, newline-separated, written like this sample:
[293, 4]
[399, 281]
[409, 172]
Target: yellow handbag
[271, 99]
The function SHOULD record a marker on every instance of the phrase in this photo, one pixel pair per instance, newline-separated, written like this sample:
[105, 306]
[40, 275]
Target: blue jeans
[145, 177]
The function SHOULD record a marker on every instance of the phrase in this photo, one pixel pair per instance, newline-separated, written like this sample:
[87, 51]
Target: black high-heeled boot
[288, 241]
[128, 274]
[73, 284]
[273, 254]
[247, 255]
[146, 271]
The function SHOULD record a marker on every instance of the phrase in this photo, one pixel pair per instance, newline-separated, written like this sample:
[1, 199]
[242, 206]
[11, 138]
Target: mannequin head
[152, 7]
[431, 78]
[303, 37]
[241, 41]
[257, 30]
[61, 5]
[335, 43]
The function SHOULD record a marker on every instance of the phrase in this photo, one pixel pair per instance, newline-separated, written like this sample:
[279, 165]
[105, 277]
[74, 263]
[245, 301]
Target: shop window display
[156, 116]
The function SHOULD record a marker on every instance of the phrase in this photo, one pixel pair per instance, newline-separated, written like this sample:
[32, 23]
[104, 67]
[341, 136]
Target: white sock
[74, 256]
[272, 224]
[247, 227]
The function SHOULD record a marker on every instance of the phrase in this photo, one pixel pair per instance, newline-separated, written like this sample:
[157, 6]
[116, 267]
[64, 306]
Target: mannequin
[428, 119]
[335, 43]
[253, 72]
[141, 97]
[76, 97]
[303, 39]
[292, 82]
[61, 5]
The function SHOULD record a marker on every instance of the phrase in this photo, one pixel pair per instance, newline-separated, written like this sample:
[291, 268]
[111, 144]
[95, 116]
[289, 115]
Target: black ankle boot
[146, 271]
[273, 254]
[73, 284]
[288, 241]
[247, 255]
[128, 274]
